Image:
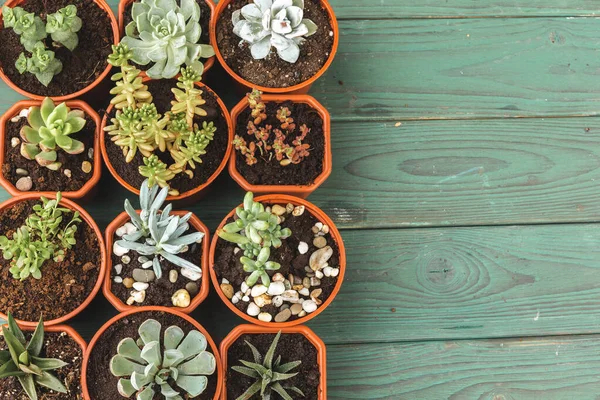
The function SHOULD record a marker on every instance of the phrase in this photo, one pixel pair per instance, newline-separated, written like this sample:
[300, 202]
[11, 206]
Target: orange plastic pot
[90, 221]
[200, 328]
[300, 88]
[299, 190]
[115, 29]
[123, 4]
[320, 216]
[107, 287]
[258, 330]
[83, 193]
[190, 195]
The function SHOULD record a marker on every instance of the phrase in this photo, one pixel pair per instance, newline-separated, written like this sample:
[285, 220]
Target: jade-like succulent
[273, 23]
[167, 35]
[129, 133]
[269, 373]
[129, 90]
[24, 360]
[177, 368]
[258, 268]
[50, 127]
[42, 63]
[63, 26]
[30, 28]
[195, 144]
[157, 172]
[188, 98]
[40, 239]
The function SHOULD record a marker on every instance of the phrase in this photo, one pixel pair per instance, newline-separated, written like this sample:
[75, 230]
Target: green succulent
[129, 133]
[147, 366]
[188, 98]
[155, 126]
[30, 28]
[129, 90]
[195, 144]
[157, 172]
[50, 127]
[258, 268]
[151, 198]
[166, 34]
[23, 360]
[40, 239]
[43, 64]
[269, 373]
[63, 26]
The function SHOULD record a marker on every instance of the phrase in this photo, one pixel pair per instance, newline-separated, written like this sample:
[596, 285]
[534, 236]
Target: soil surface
[80, 67]
[270, 172]
[215, 151]
[205, 15]
[56, 345]
[63, 286]
[102, 384]
[43, 178]
[160, 291]
[272, 71]
[228, 265]
[291, 347]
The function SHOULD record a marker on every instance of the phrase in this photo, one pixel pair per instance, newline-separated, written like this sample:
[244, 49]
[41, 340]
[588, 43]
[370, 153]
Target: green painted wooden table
[466, 181]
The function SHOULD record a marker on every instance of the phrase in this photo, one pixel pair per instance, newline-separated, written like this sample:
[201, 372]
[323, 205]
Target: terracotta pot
[292, 190]
[200, 328]
[300, 88]
[319, 215]
[90, 221]
[83, 193]
[257, 330]
[123, 4]
[115, 29]
[190, 195]
[118, 303]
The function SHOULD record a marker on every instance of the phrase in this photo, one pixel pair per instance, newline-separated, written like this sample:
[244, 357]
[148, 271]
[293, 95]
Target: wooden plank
[553, 368]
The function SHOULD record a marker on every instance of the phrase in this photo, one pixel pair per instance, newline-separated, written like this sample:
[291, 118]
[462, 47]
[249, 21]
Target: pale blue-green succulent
[166, 34]
[42, 63]
[177, 368]
[63, 26]
[30, 28]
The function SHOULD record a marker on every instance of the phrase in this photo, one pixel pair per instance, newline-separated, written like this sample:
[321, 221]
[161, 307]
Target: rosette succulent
[42, 63]
[273, 23]
[177, 368]
[63, 26]
[166, 34]
[30, 28]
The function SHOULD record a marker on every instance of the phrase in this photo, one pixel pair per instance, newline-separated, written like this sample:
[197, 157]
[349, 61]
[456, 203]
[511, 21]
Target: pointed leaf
[36, 343]
[281, 391]
[14, 346]
[28, 385]
[48, 364]
[15, 330]
[271, 352]
[51, 382]
[9, 368]
[252, 390]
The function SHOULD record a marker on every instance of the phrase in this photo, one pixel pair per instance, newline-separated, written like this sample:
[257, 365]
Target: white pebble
[14, 142]
[25, 112]
[246, 299]
[298, 211]
[303, 247]
[121, 231]
[191, 275]
[125, 259]
[276, 288]
[327, 271]
[67, 173]
[253, 310]
[244, 287]
[277, 301]
[147, 265]
[278, 278]
[265, 317]
[140, 286]
[24, 184]
[302, 314]
[130, 228]
[304, 292]
[173, 274]
[335, 272]
[119, 251]
[319, 274]
[225, 281]
[118, 279]
[258, 290]
[118, 269]
[235, 300]
[138, 297]
[290, 295]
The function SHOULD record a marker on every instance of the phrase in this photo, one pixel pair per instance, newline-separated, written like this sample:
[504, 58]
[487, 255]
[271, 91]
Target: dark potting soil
[160, 291]
[273, 71]
[102, 385]
[215, 151]
[80, 67]
[270, 172]
[43, 178]
[291, 347]
[228, 265]
[205, 15]
[63, 286]
[56, 345]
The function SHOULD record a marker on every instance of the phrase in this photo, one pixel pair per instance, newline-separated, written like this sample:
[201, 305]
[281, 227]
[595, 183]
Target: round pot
[302, 87]
[190, 195]
[302, 191]
[204, 287]
[90, 221]
[86, 191]
[123, 4]
[257, 330]
[335, 234]
[200, 328]
[115, 29]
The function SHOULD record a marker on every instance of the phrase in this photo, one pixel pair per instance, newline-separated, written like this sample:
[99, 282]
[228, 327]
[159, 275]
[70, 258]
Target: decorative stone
[138, 297]
[253, 310]
[22, 172]
[319, 226]
[244, 287]
[262, 300]
[130, 228]
[278, 277]
[67, 173]
[224, 280]
[140, 286]
[181, 298]
[246, 299]
[118, 269]
[278, 210]
[306, 282]
[235, 300]
[315, 282]
[276, 288]
[302, 314]
[191, 275]
[319, 258]
[227, 290]
[335, 272]
[303, 247]
[258, 290]
[125, 259]
[304, 292]
[309, 306]
[14, 142]
[119, 251]
[173, 275]
[284, 307]
[121, 231]
[118, 279]
[143, 275]
[91, 153]
[86, 167]
[325, 229]
[192, 288]
[265, 317]
[130, 301]
[283, 315]
[319, 274]
[141, 259]
[277, 301]
[298, 211]
[316, 293]
[147, 264]
[320, 242]
[296, 309]
[289, 208]
[290, 295]
[24, 184]
[327, 271]
[128, 283]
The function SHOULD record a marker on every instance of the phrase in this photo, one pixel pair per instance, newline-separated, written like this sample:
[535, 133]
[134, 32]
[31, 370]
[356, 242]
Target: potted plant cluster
[278, 46]
[282, 144]
[48, 147]
[56, 49]
[176, 134]
[158, 257]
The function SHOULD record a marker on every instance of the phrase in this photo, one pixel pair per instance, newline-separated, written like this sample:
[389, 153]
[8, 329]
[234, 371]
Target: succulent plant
[129, 90]
[258, 268]
[63, 26]
[151, 200]
[23, 360]
[188, 98]
[30, 28]
[269, 373]
[147, 366]
[195, 144]
[43, 64]
[50, 127]
[279, 23]
[40, 239]
[157, 172]
[127, 131]
[167, 35]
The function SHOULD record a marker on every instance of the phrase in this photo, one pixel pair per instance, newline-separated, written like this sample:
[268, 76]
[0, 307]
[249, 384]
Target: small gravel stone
[130, 301]
[224, 280]
[335, 272]
[121, 231]
[319, 258]
[258, 290]
[191, 275]
[262, 300]
[143, 275]
[140, 286]
[181, 298]
[147, 265]
[244, 287]
[24, 184]
[125, 259]
[283, 315]
[265, 317]
[325, 229]
[130, 228]
[298, 211]
[276, 288]
[278, 278]
[277, 301]
[320, 242]
[327, 271]
[304, 292]
[192, 288]
[290, 295]
[319, 274]
[253, 310]
[315, 282]
[91, 153]
[319, 226]
[138, 297]
[246, 299]
[14, 142]
[302, 314]
[22, 172]
[227, 290]
[173, 275]
[67, 173]
[289, 208]
[86, 167]
[118, 269]
[119, 251]
[296, 309]
[306, 282]
[278, 210]
[128, 283]
[303, 247]
[118, 279]
[235, 300]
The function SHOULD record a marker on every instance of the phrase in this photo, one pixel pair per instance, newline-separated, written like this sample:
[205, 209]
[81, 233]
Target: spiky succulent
[167, 35]
[63, 26]
[30, 28]
[269, 373]
[50, 127]
[23, 360]
[279, 23]
[151, 200]
[42, 63]
[177, 368]
[157, 172]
